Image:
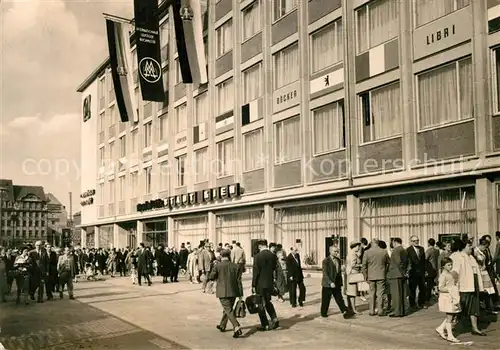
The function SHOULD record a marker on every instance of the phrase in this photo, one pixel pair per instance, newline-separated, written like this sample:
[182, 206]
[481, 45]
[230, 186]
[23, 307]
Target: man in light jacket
[374, 268]
[238, 256]
[66, 268]
[205, 264]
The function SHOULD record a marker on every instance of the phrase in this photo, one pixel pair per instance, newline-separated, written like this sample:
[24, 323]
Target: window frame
[242, 25]
[148, 180]
[277, 155]
[495, 80]
[121, 188]
[134, 136]
[196, 112]
[261, 82]
[217, 95]
[148, 134]
[341, 106]
[415, 15]
[164, 184]
[180, 175]
[123, 146]
[178, 72]
[217, 44]
[222, 171]
[205, 167]
[360, 108]
[176, 115]
[335, 23]
[263, 153]
[134, 184]
[112, 191]
[274, 57]
[274, 19]
[456, 63]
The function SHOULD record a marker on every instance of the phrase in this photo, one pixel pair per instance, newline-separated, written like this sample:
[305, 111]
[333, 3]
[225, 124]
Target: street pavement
[114, 314]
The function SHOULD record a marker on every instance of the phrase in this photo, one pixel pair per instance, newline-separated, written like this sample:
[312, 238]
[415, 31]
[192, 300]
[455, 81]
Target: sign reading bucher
[148, 49]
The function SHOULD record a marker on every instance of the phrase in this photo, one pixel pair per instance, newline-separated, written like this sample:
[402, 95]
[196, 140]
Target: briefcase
[240, 310]
[253, 303]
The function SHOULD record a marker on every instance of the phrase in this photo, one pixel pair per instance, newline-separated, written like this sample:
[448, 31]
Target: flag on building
[189, 36]
[121, 62]
[147, 31]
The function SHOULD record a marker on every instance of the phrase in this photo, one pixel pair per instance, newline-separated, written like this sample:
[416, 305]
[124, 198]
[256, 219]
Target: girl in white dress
[449, 300]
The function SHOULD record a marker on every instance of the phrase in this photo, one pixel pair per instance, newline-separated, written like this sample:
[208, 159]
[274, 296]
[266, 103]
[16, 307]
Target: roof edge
[93, 76]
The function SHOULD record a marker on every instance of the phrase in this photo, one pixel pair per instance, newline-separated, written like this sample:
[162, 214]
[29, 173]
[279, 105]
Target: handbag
[253, 303]
[240, 310]
[355, 278]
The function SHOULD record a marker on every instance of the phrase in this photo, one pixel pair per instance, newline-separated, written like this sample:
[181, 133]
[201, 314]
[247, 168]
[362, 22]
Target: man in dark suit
[143, 264]
[229, 287]
[41, 268]
[431, 268]
[374, 268]
[264, 265]
[51, 280]
[416, 274]
[295, 278]
[396, 276]
[332, 283]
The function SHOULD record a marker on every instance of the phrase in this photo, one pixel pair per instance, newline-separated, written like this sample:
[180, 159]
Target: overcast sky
[48, 48]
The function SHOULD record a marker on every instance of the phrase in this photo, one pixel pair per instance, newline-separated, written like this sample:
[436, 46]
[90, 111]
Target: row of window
[23, 223]
[23, 205]
[25, 234]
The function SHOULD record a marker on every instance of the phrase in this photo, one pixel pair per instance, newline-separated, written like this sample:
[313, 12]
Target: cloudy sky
[48, 48]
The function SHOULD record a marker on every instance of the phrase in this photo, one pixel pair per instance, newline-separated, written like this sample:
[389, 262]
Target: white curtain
[254, 150]
[121, 188]
[225, 157]
[147, 134]
[225, 96]
[181, 118]
[328, 128]
[134, 135]
[362, 29]
[282, 7]
[288, 140]
[252, 83]
[112, 191]
[251, 20]
[425, 215]
[164, 34]
[429, 10]
[327, 46]
[181, 170]
[224, 38]
[147, 180]
[123, 146]
[386, 111]
[384, 21]
[163, 127]
[201, 108]
[101, 194]
[133, 184]
[201, 158]
[164, 175]
[286, 66]
[437, 93]
[192, 230]
[112, 154]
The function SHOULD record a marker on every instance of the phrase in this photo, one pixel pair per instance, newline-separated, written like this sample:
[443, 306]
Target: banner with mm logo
[148, 49]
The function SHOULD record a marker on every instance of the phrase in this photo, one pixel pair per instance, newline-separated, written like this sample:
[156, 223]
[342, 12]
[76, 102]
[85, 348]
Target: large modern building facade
[321, 118]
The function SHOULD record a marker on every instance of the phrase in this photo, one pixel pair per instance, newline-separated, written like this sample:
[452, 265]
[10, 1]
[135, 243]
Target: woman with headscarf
[353, 270]
[470, 283]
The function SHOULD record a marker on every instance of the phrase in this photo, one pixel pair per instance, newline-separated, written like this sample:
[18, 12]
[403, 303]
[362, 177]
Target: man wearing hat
[264, 265]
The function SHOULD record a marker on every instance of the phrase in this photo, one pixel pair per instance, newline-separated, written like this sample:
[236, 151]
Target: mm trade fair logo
[150, 69]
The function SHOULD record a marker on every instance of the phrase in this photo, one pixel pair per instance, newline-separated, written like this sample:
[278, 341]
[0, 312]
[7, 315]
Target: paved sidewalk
[178, 314]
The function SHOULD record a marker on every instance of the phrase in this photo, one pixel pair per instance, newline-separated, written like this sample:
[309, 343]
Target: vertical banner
[121, 61]
[147, 30]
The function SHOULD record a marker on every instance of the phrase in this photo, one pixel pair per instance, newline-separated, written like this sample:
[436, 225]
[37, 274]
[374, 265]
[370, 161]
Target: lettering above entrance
[200, 197]
[443, 33]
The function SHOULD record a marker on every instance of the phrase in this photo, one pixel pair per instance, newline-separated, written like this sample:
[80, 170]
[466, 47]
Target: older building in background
[57, 219]
[321, 118]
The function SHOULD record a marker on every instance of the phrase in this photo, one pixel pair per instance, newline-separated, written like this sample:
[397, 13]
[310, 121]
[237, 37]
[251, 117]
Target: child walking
[449, 300]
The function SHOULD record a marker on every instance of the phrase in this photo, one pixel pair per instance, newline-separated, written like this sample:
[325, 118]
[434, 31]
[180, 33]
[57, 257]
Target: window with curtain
[381, 112]
[134, 184]
[181, 162]
[201, 108]
[164, 175]
[101, 193]
[287, 140]
[253, 150]
[377, 22]
[111, 187]
[147, 179]
[147, 110]
[225, 157]
[181, 118]
[164, 104]
[102, 156]
[286, 66]
[251, 22]
[224, 38]
[496, 78]
[283, 7]
[102, 121]
[123, 146]
[225, 96]
[178, 74]
[163, 127]
[252, 83]
[134, 135]
[164, 41]
[121, 188]
[148, 129]
[327, 46]
[428, 10]
[329, 128]
[201, 165]
[445, 94]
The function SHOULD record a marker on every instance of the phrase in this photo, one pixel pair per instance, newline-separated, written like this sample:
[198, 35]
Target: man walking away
[143, 264]
[205, 261]
[374, 268]
[264, 265]
[66, 267]
[332, 283]
[396, 276]
[431, 268]
[295, 278]
[51, 281]
[229, 287]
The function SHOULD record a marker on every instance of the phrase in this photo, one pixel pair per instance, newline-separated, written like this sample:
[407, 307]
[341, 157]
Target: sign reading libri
[205, 196]
[148, 50]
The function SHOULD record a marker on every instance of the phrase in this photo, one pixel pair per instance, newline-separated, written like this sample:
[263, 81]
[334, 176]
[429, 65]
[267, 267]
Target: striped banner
[120, 61]
[251, 112]
[188, 25]
[200, 132]
[493, 16]
[377, 60]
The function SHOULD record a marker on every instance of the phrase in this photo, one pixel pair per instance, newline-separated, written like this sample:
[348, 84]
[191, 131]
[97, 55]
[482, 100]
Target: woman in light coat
[470, 283]
[192, 266]
[353, 267]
